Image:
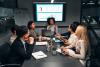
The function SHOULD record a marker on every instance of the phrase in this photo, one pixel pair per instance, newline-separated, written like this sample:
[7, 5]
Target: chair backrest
[97, 50]
[88, 52]
[4, 51]
[92, 43]
[93, 50]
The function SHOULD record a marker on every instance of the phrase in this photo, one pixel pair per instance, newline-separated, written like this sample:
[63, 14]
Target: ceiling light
[83, 3]
[52, 1]
[91, 3]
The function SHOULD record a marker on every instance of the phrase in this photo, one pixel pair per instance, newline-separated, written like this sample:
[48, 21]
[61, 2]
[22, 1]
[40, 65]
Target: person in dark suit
[22, 46]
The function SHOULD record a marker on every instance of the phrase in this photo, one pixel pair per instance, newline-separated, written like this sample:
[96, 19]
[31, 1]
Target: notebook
[41, 43]
[39, 55]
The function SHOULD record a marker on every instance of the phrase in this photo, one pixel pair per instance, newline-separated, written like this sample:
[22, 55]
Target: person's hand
[31, 40]
[58, 35]
[65, 51]
[62, 47]
[65, 41]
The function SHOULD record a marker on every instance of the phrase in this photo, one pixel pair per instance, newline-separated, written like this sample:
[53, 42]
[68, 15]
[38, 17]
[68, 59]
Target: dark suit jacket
[18, 53]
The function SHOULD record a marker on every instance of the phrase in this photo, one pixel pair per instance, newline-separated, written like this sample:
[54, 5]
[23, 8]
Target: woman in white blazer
[52, 25]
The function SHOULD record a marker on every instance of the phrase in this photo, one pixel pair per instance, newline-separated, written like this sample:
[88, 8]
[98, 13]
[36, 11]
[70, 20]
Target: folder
[39, 55]
[41, 43]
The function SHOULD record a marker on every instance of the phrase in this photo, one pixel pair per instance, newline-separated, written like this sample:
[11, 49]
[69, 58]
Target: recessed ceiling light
[83, 3]
[91, 1]
[52, 1]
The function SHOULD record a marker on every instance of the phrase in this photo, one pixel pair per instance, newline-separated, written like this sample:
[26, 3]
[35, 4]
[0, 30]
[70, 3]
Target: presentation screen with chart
[44, 11]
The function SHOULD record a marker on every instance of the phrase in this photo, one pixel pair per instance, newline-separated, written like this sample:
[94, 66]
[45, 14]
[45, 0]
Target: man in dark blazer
[22, 47]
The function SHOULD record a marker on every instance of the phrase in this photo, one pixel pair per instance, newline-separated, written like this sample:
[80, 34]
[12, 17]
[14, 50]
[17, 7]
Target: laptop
[47, 33]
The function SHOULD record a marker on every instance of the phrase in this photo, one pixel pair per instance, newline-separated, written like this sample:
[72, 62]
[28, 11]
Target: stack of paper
[39, 55]
[41, 43]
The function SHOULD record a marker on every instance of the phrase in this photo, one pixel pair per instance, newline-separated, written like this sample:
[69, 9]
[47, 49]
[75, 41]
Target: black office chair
[4, 52]
[94, 60]
[94, 57]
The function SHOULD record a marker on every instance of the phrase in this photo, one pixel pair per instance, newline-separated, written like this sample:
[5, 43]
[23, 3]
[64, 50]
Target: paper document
[39, 55]
[41, 43]
[58, 50]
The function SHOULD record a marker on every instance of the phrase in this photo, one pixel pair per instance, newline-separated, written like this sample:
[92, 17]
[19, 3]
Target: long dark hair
[76, 24]
[29, 24]
[48, 20]
[72, 27]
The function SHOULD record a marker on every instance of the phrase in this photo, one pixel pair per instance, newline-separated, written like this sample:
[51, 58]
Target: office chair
[94, 60]
[4, 51]
[94, 57]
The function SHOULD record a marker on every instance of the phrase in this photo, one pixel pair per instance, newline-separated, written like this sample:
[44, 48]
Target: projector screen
[44, 11]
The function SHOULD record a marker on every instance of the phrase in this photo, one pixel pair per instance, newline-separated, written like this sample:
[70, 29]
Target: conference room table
[51, 60]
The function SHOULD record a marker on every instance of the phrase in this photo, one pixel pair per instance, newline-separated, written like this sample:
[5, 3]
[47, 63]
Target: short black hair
[48, 20]
[29, 24]
[76, 23]
[22, 30]
[14, 28]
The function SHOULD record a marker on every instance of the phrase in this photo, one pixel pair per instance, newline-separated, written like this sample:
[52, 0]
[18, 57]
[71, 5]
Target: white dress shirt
[23, 43]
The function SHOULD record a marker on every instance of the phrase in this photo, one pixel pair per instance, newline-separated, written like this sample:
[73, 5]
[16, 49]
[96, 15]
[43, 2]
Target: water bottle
[54, 51]
[48, 47]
